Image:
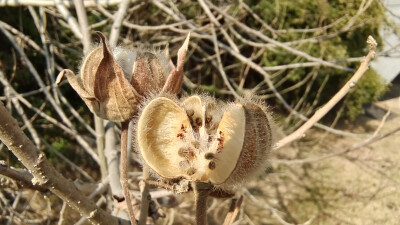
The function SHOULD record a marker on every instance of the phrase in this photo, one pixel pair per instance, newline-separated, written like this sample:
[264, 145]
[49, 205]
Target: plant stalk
[146, 197]
[201, 191]
[124, 170]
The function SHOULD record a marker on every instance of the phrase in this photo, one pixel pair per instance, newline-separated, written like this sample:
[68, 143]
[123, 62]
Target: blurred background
[294, 55]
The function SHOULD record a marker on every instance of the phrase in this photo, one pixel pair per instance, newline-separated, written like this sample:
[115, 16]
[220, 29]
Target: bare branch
[335, 99]
[44, 173]
[83, 23]
[67, 129]
[146, 197]
[276, 43]
[124, 169]
[220, 67]
[233, 211]
[22, 177]
[119, 17]
[69, 18]
[374, 138]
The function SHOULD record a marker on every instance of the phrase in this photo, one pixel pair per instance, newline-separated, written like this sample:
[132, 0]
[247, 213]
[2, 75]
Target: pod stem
[124, 170]
[201, 191]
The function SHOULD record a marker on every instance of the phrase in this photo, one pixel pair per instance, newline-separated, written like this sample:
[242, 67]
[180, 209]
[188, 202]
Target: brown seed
[209, 155]
[182, 152]
[211, 165]
[190, 112]
[196, 144]
[208, 119]
[198, 121]
[191, 171]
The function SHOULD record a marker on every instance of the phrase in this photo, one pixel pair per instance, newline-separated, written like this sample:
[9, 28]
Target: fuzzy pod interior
[201, 140]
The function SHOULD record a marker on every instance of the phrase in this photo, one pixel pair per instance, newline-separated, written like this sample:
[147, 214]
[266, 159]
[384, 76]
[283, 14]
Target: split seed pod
[112, 84]
[202, 140]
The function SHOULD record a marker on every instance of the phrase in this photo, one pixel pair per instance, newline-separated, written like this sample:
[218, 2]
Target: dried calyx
[202, 140]
[113, 83]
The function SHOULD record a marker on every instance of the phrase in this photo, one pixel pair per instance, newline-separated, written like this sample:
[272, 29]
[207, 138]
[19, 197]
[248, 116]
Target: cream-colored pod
[256, 145]
[202, 140]
[160, 128]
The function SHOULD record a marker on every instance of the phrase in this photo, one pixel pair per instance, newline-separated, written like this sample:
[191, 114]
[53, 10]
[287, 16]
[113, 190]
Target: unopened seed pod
[202, 140]
[103, 86]
[113, 83]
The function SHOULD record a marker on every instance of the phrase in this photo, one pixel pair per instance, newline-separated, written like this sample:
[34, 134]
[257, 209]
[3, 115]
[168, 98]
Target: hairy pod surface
[200, 139]
[113, 83]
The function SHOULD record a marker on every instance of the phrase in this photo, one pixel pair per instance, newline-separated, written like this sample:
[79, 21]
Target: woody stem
[201, 191]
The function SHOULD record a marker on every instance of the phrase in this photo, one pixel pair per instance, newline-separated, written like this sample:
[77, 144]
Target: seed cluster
[200, 121]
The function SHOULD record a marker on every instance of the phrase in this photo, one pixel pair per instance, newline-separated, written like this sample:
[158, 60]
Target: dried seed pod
[146, 70]
[257, 145]
[158, 129]
[225, 157]
[103, 86]
[113, 83]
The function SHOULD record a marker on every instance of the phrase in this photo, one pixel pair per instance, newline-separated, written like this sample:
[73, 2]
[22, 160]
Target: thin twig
[112, 160]
[75, 113]
[124, 170]
[40, 23]
[22, 177]
[274, 42]
[67, 129]
[14, 206]
[49, 97]
[368, 141]
[99, 126]
[102, 187]
[272, 210]
[100, 141]
[73, 24]
[146, 197]
[216, 23]
[83, 24]
[27, 122]
[334, 100]
[220, 67]
[23, 37]
[233, 211]
[113, 165]
[118, 19]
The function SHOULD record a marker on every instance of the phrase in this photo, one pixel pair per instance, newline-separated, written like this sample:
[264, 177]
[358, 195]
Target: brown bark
[44, 173]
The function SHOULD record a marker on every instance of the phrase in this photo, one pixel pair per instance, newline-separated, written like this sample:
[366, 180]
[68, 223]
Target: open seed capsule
[169, 132]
